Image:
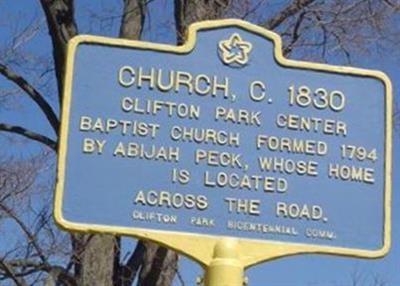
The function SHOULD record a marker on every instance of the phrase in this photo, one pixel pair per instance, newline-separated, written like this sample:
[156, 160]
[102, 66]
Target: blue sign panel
[224, 137]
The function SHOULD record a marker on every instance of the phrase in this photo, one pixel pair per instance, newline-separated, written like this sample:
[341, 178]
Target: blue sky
[300, 270]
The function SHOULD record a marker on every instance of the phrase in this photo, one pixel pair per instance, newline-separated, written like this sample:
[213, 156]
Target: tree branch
[288, 11]
[132, 19]
[396, 6]
[130, 269]
[24, 228]
[295, 35]
[62, 27]
[180, 27]
[33, 93]
[29, 134]
[57, 273]
[11, 274]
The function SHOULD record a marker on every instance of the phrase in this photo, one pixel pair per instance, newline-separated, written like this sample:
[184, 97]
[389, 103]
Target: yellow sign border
[201, 247]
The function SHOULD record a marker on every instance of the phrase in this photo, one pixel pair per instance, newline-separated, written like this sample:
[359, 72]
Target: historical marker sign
[224, 137]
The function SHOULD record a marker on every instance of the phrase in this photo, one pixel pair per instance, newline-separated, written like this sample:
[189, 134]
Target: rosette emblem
[234, 51]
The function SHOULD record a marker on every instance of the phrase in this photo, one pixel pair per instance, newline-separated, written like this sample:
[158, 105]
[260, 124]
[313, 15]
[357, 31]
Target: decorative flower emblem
[234, 50]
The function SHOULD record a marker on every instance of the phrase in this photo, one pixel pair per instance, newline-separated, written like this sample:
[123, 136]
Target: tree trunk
[96, 260]
[159, 266]
[188, 12]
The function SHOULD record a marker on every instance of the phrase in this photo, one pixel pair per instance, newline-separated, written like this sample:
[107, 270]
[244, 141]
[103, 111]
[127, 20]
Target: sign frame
[201, 247]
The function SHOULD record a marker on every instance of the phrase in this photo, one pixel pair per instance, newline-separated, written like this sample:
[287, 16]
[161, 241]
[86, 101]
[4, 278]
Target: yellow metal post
[226, 268]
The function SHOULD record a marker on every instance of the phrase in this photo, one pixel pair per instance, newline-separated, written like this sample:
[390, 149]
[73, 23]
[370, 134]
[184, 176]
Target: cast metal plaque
[224, 137]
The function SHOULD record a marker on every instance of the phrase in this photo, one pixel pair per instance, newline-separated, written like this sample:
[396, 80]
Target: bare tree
[29, 253]
[311, 29]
